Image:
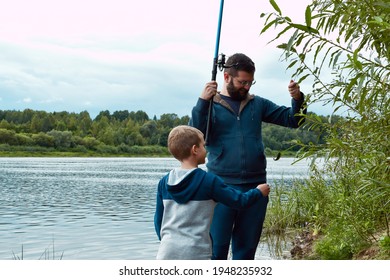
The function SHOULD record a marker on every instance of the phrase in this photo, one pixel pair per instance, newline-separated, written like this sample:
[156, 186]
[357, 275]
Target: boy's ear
[194, 149]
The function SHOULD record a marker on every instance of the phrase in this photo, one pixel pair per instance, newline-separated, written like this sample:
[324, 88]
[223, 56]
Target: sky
[150, 55]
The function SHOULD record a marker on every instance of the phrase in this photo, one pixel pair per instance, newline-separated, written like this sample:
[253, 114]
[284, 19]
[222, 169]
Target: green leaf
[378, 19]
[349, 87]
[268, 26]
[292, 64]
[282, 46]
[305, 28]
[356, 62]
[276, 7]
[303, 78]
[300, 38]
[318, 51]
[336, 58]
[280, 33]
[308, 16]
[291, 41]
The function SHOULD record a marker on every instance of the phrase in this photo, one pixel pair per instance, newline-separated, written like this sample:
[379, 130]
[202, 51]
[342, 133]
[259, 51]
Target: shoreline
[106, 155]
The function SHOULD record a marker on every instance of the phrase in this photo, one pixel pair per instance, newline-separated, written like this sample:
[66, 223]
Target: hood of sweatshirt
[184, 183]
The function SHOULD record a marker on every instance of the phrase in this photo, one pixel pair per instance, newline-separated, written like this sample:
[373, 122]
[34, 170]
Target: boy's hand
[264, 188]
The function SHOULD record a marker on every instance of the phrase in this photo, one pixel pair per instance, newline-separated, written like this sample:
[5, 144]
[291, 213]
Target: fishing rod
[218, 62]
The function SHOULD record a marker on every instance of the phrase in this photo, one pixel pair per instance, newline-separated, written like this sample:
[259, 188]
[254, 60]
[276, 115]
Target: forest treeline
[120, 132]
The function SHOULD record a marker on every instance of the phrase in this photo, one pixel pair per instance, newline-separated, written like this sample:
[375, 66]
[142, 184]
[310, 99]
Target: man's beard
[236, 94]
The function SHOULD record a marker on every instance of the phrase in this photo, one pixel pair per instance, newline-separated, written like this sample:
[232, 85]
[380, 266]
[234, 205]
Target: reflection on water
[87, 208]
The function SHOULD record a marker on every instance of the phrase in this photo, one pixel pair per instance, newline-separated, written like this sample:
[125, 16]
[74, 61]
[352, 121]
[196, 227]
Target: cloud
[113, 55]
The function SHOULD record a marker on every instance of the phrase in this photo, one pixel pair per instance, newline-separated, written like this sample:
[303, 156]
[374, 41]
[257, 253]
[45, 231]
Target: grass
[318, 221]
[48, 254]
[103, 151]
[282, 220]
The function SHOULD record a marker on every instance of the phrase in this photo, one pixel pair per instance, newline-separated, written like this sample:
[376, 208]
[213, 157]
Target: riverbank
[137, 151]
[76, 154]
[149, 151]
[304, 248]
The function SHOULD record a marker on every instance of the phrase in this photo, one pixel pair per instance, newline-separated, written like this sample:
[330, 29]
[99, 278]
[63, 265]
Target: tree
[27, 115]
[139, 116]
[99, 126]
[42, 139]
[62, 139]
[42, 121]
[8, 137]
[85, 123]
[349, 40]
[72, 122]
[61, 126]
[121, 115]
[169, 120]
[106, 136]
[24, 140]
[5, 124]
[91, 142]
[148, 129]
[102, 114]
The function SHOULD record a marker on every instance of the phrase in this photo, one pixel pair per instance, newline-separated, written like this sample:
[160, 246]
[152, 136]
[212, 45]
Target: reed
[284, 219]
[49, 253]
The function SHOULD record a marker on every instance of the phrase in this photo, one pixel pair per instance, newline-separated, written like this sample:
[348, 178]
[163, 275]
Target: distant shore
[54, 153]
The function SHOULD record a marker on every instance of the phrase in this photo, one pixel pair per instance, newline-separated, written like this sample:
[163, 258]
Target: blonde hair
[181, 139]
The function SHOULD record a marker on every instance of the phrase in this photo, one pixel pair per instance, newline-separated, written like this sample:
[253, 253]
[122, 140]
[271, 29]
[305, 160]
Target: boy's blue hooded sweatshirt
[184, 210]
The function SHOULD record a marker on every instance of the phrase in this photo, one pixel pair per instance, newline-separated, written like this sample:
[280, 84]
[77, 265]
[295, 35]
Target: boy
[186, 198]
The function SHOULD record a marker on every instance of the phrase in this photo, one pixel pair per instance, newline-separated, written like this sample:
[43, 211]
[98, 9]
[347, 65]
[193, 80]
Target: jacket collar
[218, 99]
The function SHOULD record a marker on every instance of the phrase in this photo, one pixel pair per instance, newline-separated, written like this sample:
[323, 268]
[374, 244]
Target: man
[236, 152]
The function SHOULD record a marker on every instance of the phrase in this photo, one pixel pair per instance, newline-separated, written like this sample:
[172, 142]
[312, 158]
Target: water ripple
[86, 208]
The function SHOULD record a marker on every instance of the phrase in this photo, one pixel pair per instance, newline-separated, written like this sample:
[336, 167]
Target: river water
[90, 208]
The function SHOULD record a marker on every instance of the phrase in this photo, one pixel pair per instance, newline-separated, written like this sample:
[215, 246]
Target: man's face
[238, 87]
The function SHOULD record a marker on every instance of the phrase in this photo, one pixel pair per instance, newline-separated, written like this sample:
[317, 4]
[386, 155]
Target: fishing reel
[221, 63]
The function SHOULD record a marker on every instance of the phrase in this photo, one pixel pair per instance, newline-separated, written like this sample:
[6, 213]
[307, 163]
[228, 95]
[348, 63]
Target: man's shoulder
[258, 98]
